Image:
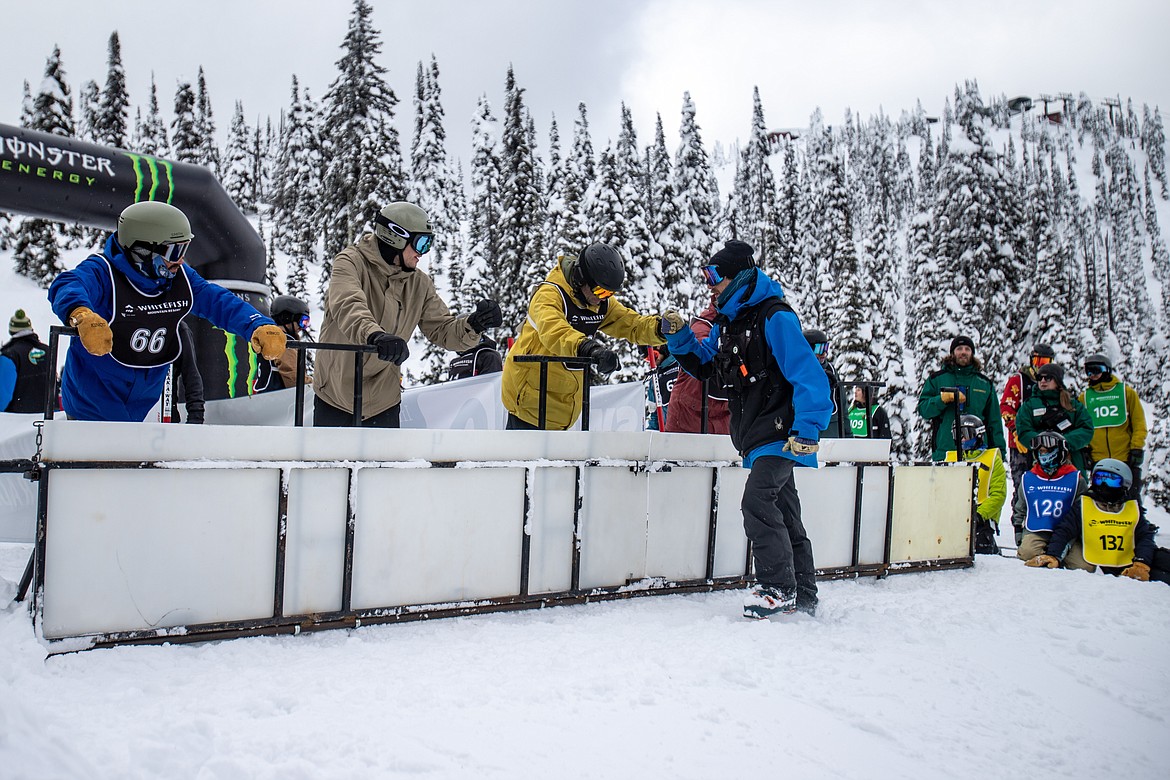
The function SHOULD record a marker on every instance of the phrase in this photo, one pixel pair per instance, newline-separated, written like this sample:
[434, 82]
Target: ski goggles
[1108, 479]
[1094, 368]
[304, 322]
[711, 275]
[419, 242]
[602, 293]
[1040, 360]
[820, 348]
[162, 256]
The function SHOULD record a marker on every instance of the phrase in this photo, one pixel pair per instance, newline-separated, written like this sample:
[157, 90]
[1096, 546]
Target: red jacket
[1018, 389]
[685, 413]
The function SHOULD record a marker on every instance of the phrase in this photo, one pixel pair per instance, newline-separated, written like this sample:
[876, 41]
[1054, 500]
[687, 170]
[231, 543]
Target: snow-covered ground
[997, 671]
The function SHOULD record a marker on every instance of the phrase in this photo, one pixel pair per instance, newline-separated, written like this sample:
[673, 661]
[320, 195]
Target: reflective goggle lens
[422, 242]
[304, 322]
[602, 293]
[711, 275]
[820, 349]
[1094, 368]
[971, 443]
[1107, 479]
[1040, 360]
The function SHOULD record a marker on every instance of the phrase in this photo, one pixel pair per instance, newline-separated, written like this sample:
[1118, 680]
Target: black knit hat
[961, 341]
[735, 256]
[1051, 370]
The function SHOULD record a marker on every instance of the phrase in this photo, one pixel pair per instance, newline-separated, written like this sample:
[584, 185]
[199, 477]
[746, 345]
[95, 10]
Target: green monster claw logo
[233, 362]
[153, 166]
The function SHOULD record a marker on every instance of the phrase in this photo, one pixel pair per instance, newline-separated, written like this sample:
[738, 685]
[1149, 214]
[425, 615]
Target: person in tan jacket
[377, 296]
[564, 314]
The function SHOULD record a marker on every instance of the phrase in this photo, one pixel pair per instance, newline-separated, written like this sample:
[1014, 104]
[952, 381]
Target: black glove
[487, 314]
[607, 359]
[1136, 458]
[392, 349]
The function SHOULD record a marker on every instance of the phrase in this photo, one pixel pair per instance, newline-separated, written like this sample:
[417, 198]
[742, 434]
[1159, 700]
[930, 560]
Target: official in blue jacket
[126, 304]
[779, 400]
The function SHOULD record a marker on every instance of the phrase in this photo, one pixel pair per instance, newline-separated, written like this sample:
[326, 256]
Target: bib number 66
[144, 340]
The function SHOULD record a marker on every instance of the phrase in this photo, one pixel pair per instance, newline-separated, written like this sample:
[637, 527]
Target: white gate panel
[875, 504]
[613, 527]
[827, 501]
[315, 542]
[436, 535]
[193, 546]
[679, 523]
[932, 513]
[550, 523]
[730, 539]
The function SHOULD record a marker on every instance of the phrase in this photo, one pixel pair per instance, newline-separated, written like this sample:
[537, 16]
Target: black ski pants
[328, 416]
[771, 519]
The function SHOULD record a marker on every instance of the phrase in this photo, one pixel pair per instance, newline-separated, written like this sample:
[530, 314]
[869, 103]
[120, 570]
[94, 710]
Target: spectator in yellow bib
[1119, 420]
[1111, 527]
[992, 481]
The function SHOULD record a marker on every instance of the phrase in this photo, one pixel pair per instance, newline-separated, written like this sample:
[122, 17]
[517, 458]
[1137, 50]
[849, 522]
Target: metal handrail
[569, 362]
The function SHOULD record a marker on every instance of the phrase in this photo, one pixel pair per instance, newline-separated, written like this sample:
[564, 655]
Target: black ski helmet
[1113, 494]
[1057, 447]
[814, 337]
[600, 265]
[1044, 350]
[1098, 359]
[971, 428]
[288, 309]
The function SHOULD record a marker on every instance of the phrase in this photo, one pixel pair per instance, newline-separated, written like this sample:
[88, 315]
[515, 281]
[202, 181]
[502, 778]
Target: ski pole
[652, 357]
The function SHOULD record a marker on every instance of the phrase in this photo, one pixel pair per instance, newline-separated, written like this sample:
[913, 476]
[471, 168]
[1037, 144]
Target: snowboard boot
[985, 543]
[765, 601]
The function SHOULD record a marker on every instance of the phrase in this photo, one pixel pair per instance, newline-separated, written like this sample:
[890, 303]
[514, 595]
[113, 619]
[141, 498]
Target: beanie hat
[961, 341]
[19, 322]
[1051, 370]
[735, 256]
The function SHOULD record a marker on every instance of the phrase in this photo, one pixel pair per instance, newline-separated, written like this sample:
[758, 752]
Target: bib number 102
[1107, 411]
[145, 340]
[1111, 542]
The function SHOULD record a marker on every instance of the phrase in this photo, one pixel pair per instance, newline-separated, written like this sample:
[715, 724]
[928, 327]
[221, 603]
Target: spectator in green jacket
[1053, 408]
[960, 387]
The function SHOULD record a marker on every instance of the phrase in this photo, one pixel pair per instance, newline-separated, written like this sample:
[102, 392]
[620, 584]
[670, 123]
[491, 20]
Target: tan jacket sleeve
[441, 326]
[346, 299]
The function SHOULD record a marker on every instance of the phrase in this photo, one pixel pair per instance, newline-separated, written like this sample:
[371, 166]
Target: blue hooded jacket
[101, 388]
[811, 402]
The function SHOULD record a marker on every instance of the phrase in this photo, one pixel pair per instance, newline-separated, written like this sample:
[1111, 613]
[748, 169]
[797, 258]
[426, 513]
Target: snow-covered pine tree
[522, 259]
[575, 194]
[296, 229]
[757, 218]
[632, 235]
[361, 151]
[88, 106]
[237, 171]
[681, 286]
[697, 195]
[150, 134]
[186, 143]
[26, 107]
[484, 211]
[208, 155]
[434, 188]
[112, 120]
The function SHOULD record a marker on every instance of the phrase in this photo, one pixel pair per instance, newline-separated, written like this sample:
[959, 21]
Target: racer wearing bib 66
[1111, 528]
[127, 303]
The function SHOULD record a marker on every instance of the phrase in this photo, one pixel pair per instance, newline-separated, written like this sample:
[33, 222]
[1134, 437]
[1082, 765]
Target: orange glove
[270, 341]
[1138, 571]
[949, 398]
[94, 332]
[1044, 560]
[1020, 446]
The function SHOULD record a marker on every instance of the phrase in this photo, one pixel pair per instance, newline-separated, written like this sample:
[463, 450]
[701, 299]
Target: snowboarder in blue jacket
[779, 400]
[127, 303]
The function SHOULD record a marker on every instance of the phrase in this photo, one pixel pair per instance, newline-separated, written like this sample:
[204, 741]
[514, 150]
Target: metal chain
[40, 426]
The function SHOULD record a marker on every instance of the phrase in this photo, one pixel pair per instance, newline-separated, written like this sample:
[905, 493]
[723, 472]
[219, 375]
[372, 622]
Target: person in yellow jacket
[992, 485]
[565, 312]
[1119, 419]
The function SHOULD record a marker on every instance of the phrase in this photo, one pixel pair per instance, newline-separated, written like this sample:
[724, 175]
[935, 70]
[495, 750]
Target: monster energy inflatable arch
[76, 182]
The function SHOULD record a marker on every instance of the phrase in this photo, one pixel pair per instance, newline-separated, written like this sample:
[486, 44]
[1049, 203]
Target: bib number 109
[145, 340]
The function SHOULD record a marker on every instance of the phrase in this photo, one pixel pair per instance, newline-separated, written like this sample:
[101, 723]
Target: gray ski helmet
[288, 309]
[397, 221]
[971, 428]
[600, 265]
[1111, 466]
[1100, 360]
[151, 222]
[1044, 350]
[1057, 447]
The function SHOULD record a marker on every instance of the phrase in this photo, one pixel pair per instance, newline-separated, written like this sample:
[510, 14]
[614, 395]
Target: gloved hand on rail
[93, 330]
[269, 341]
[607, 359]
[391, 348]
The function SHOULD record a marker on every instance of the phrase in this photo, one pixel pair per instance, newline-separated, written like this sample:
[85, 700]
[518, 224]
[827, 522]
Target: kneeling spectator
[1112, 529]
[1046, 493]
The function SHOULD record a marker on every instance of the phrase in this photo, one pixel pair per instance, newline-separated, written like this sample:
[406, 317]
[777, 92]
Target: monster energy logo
[152, 168]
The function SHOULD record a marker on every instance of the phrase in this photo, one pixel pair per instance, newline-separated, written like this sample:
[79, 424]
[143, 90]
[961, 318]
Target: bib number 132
[144, 340]
[1111, 542]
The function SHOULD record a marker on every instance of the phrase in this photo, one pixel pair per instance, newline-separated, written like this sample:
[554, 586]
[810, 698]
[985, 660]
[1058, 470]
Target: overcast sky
[828, 53]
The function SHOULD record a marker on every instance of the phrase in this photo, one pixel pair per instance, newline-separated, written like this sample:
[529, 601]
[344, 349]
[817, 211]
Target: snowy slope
[999, 671]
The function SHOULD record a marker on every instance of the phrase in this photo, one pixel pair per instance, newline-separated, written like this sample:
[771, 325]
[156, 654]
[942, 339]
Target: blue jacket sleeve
[7, 381]
[86, 285]
[223, 308]
[1067, 531]
[811, 403]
